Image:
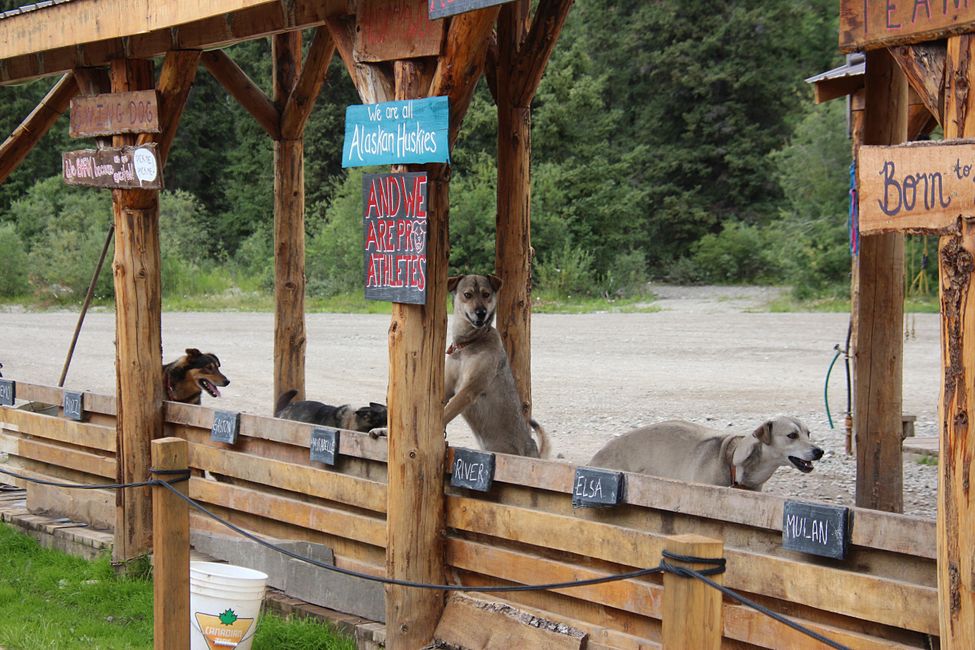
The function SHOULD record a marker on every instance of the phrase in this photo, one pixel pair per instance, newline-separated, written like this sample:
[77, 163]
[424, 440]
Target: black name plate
[472, 469]
[8, 391]
[324, 445]
[596, 488]
[225, 427]
[74, 406]
[816, 528]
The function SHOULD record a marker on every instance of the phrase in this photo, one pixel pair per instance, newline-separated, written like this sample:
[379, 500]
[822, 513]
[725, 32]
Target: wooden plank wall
[525, 530]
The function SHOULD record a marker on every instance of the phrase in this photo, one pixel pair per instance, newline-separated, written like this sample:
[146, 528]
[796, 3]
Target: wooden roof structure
[393, 51]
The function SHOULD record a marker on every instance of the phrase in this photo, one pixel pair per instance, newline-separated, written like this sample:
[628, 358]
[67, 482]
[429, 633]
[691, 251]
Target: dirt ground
[711, 355]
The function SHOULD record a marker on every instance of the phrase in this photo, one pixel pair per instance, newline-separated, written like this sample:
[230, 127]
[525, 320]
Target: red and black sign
[395, 228]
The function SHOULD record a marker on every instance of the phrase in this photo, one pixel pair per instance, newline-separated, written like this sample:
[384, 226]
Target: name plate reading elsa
[407, 132]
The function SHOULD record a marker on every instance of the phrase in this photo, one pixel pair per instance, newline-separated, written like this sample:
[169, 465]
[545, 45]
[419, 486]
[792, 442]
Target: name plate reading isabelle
[472, 469]
[596, 488]
[225, 427]
[125, 168]
[74, 406]
[397, 133]
[917, 187]
[8, 392]
[816, 528]
[394, 222]
[324, 445]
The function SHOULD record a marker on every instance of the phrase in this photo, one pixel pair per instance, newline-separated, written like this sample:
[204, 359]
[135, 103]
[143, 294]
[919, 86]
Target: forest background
[671, 140]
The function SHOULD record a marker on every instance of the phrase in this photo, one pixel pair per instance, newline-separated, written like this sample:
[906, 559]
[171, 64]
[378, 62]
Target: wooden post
[289, 230]
[171, 549]
[513, 251]
[138, 354]
[691, 615]
[417, 339]
[856, 105]
[956, 501]
[880, 314]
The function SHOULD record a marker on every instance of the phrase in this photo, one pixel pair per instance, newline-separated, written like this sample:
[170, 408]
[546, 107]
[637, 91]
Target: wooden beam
[462, 62]
[301, 101]
[879, 345]
[534, 54]
[924, 67]
[474, 623]
[171, 549]
[692, 609]
[20, 143]
[956, 272]
[239, 85]
[210, 33]
[417, 339]
[290, 338]
[372, 81]
[175, 80]
[827, 89]
[138, 362]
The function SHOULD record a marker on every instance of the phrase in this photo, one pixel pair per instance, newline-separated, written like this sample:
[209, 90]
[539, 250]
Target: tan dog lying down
[690, 452]
[478, 382]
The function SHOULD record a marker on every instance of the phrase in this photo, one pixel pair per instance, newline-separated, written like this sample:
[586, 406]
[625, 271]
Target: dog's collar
[170, 391]
[456, 347]
[733, 469]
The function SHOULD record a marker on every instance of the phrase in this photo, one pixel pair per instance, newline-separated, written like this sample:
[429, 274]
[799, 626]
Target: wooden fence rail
[525, 530]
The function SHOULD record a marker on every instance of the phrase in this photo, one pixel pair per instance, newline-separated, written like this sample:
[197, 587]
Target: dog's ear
[764, 432]
[453, 281]
[192, 352]
[495, 282]
[379, 408]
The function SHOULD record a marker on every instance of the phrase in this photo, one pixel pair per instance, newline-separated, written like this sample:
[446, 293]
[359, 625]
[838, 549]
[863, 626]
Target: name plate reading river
[596, 488]
[816, 528]
[472, 469]
[917, 187]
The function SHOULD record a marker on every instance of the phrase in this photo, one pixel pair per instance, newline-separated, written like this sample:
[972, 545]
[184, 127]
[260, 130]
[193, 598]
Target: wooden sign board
[324, 445]
[595, 488]
[74, 406]
[113, 113]
[395, 235]
[881, 23]
[816, 528]
[225, 427]
[8, 392]
[472, 469]
[917, 187]
[413, 131]
[444, 8]
[390, 30]
[125, 168]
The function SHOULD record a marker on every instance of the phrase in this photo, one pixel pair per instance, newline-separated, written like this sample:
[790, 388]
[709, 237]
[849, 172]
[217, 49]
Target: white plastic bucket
[225, 601]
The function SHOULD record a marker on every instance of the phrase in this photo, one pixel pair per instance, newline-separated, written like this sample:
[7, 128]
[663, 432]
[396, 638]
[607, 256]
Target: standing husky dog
[186, 378]
[477, 379]
[689, 452]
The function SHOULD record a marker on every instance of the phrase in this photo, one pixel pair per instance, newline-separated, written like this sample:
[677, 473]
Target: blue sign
[397, 133]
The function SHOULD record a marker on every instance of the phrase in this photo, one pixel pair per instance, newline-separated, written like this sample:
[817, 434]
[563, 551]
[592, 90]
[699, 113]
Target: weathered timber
[878, 351]
[924, 67]
[175, 80]
[872, 25]
[956, 272]
[533, 54]
[135, 167]
[138, 362]
[236, 82]
[474, 623]
[108, 114]
[389, 30]
[374, 82]
[82, 434]
[417, 339]
[16, 147]
[290, 336]
[691, 608]
[302, 97]
[59, 455]
[171, 549]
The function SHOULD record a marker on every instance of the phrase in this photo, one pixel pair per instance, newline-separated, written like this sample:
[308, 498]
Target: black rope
[717, 564]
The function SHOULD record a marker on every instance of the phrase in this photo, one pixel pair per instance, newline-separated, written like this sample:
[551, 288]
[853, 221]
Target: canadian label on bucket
[223, 630]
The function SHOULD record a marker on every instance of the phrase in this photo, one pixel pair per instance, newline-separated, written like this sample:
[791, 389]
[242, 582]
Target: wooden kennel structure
[387, 510]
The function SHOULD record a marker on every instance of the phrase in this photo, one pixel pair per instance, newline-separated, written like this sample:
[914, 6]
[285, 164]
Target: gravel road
[711, 355]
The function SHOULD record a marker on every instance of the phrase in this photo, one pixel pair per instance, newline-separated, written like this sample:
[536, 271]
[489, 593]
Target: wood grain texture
[236, 82]
[878, 351]
[175, 81]
[956, 503]
[301, 99]
[29, 132]
[476, 623]
[924, 67]
[691, 608]
[171, 550]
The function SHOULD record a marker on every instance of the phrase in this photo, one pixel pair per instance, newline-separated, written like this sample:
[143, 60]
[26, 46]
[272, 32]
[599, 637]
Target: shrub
[333, 255]
[567, 272]
[740, 253]
[13, 280]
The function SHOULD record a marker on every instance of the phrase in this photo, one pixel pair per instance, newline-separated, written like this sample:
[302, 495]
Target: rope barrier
[717, 564]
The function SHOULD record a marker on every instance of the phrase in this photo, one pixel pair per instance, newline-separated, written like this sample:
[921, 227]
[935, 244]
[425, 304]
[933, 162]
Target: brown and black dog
[363, 419]
[185, 379]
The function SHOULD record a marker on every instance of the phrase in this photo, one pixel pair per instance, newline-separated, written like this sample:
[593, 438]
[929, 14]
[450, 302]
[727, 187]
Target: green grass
[53, 601]
[551, 303]
[928, 459]
[916, 305]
